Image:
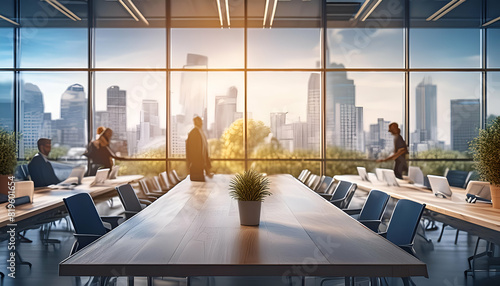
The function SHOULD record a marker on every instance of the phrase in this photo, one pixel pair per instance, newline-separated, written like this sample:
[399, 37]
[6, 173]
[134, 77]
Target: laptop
[390, 177]
[75, 178]
[439, 186]
[417, 178]
[379, 172]
[114, 172]
[25, 188]
[363, 174]
[100, 177]
[479, 190]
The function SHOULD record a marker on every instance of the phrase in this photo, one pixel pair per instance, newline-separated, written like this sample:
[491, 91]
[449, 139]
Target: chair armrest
[129, 214]
[155, 195]
[408, 248]
[145, 202]
[113, 220]
[85, 239]
[352, 211]
[371, 224]
[326, 196]
[383, 234]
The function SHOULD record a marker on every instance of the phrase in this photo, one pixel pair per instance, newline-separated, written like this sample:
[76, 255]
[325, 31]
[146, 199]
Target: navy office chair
[129, 200]
[324, 184]
[343, 194]
[457, 178]
[373, 209]
[86, 221]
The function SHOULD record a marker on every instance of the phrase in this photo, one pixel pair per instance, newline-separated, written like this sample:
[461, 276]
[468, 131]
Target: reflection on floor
[445, 261]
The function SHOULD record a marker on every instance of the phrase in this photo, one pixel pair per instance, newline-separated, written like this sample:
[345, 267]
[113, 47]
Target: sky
[381, 94]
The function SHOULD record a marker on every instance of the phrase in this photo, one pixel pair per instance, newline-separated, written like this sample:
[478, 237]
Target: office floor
[445, 261]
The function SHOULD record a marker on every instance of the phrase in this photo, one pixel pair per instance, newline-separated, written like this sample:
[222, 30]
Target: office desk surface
[194, 230]
[46, 199]
[481, 214]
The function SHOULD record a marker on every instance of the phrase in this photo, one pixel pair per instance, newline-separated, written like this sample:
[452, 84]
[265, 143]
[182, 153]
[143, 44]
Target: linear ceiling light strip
[274, 12]
[265, 14]
[128, 10]
[220, 14]
[491, 22]
[61, 8]
[9, 20]
[371, 10]
[138, 12]
[361, 9]
[449, 9]
[227, 14]
[441, 10]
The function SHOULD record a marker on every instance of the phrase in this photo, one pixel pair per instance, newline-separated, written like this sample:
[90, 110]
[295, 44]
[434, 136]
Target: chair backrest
[312, 181]
[176, 177]
[324, 184]
[164, 180]
[343, 193]
[404, 222]
[84, 215]
[374, 206]
[171, 178]
[144, 186]
[128, 198]
[457, 178]
[317, 182]
[300, 177]
[153, 184]
[305, 177]
[21, 173]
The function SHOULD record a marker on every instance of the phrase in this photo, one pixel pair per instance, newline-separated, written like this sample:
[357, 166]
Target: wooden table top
[194, 230]
[45, 199]
[481, 214]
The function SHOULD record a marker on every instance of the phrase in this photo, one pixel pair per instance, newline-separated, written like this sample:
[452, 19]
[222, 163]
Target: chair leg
[130, 281]
[456, 236]
[442, 231]
[150, 281]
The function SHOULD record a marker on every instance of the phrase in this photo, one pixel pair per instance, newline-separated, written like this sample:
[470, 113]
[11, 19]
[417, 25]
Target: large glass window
[284, 114]
[492, 44]
[365, 48]
[132, 104]
[493, 96]
[6, 100]
[223, 48]
[359, 108]
[6, 47]
[53, 105]
[445, 48]
[445, 112]
[284, 48]
[217, 97]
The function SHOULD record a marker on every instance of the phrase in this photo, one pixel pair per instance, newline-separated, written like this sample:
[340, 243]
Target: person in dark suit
[400, 151]
[197, 156]
[40, 169]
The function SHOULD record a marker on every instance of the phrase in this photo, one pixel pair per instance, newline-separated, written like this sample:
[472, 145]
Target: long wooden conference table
[194, 230]
[46, 201]
[479, 219]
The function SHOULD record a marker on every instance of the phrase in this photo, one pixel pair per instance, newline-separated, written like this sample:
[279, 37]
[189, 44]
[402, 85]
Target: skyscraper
[426, 111]
[225, 111]
[150, 121]
[465, 118]
[313, 111]
[117, 112]
[31, 124]
[194, 89]
[73, 117]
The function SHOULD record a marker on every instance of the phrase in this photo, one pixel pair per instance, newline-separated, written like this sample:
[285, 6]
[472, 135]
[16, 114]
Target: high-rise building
[349, 127]
[291, 136]
[177, 139]
[313, 111]
[73, 117]
[225, 111]
[465, 119]
[426, 111]
[278, 120]
[149, 115]
[117, 112]
[101, 118]
[6, 106]
[31, 124]
[379, 139]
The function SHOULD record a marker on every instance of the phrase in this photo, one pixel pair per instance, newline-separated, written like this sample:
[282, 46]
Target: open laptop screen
[439, 186]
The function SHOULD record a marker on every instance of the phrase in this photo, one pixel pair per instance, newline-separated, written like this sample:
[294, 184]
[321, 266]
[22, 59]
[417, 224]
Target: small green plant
[485, 149]
[8, 150]
[249, 186]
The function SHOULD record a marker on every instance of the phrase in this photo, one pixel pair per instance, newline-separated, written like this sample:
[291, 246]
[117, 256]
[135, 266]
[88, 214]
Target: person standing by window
[400, 151]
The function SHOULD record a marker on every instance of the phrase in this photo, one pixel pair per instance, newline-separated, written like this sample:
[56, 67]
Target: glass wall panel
[6, 47]
[444, 113]
[493, 96]
[365, 48]
[359, 108]
[130, 48]
[53, 48]
[445, 48]
[222, 48]
[7, 100]
[284, 48]
[133, 105]
[285, 167]
[217, 97]
[284, 114]
[492, 44]
[53, 105]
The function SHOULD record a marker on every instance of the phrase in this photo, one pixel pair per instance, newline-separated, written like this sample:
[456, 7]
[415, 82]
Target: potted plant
[8, 161]
[486, 153]
[250, 189]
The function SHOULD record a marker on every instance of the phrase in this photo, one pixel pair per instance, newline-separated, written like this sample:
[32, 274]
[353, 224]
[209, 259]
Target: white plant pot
[249, 212]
